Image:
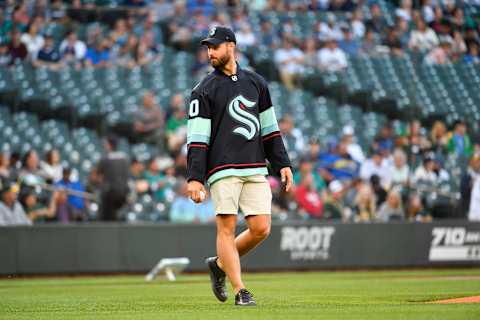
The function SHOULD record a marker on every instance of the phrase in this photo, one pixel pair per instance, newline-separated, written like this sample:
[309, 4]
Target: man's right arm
[198, 141]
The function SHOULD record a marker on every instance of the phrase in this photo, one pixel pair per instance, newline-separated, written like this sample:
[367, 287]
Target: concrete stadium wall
[99, 248]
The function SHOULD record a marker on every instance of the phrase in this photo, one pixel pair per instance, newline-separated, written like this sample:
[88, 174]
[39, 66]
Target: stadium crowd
[335, 178]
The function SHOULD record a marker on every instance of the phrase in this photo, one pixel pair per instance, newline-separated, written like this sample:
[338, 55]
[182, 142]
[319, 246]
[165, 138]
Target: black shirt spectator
[113, 170]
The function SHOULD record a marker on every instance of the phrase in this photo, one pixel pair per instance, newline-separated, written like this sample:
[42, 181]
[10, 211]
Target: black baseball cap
[218, 35]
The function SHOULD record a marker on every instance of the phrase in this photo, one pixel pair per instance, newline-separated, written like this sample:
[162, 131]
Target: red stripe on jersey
[275, 134]
[197, 146]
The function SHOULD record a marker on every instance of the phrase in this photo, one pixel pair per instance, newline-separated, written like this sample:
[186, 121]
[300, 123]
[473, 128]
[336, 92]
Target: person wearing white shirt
[289, 61]
[423, 38]
[245, 37]
[11, 211]
[399, 170]
[430, 173]
[32, 40]
[72, 48]
[331, 57]
[375, 165]
[353, 148]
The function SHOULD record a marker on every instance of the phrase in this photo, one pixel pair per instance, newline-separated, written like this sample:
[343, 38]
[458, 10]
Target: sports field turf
[307, 295]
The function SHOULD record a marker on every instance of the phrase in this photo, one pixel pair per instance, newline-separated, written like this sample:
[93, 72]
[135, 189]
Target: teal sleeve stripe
[268, 130]
[268, 120]
[199, 126]
[198, 138]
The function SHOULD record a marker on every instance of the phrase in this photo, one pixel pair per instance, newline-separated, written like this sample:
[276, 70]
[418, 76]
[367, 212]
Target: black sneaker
[217, 278]
[244, 298]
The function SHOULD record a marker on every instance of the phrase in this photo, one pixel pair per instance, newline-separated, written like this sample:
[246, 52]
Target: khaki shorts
[251, 194]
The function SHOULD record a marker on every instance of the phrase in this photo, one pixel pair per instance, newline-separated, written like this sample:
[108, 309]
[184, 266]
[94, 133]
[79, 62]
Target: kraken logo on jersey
[238, 110]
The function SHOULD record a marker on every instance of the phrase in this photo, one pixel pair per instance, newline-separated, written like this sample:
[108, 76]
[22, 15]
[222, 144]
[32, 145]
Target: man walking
[232, 131]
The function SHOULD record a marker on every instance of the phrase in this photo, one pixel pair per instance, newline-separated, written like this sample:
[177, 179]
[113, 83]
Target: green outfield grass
[305, 295]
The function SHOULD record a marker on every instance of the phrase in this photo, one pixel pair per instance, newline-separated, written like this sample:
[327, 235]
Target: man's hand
[287, 178]
[195, 189]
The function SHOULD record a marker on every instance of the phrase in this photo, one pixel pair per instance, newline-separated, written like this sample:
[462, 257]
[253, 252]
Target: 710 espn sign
[454, 244]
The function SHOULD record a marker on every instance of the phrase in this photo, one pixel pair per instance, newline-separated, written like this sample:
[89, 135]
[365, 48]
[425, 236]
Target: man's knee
[261, 231]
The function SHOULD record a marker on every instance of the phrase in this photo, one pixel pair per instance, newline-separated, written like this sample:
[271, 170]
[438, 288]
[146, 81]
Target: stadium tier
[377, 101]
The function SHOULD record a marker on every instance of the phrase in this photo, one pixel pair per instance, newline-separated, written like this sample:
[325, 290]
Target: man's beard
[220, 62]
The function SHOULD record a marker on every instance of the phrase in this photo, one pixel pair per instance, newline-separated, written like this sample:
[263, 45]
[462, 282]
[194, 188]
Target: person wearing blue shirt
[76, 202]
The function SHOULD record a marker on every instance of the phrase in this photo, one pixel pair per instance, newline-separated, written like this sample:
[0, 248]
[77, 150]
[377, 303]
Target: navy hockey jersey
[232, 128]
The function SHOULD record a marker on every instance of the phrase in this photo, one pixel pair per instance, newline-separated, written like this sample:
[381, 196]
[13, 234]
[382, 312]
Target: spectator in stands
[124, 55]
[32, 40]
[119, 35]
[378, 190]
[415, 209]
[113, 173]
[162, 10]
[399, 171]
[143, 55]
[292, 137]
[5, 56]
[17, 49]
[353, 148]
[156, 179]
[185, 210]
[30, 173]
[11, 211]
[149, 26]
[36, 211]
[375, 165]
[377, 20]
[334, 206]
[246, 39]
[392, 209]
[459, 47]
[365, 205]
[289, 61]
[137, 183]
[99, 55]
[460, 142]
[348, 43]
[441, 54]
[305, 168]
[309, 201]
[358, 26]
[329, 29]
[415, 138]
[404, 10]
[337, 164]
[268, 35]
[77, 205]
[20, 17]
[73, 50]
[48, 56]
[422, 38]
[5, 169]
[310, 54]
[393, 42]
[470, 190]
[51, 169]
[439, 137]
[331, 57]
[202, 65]
[149, 121]
[176, 130]
[369, 43]
[429, 11]
[312, 151]
[430, 173]
[472, 55]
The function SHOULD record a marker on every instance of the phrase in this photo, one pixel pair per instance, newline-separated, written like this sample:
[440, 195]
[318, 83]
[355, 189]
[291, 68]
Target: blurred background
[378, 103]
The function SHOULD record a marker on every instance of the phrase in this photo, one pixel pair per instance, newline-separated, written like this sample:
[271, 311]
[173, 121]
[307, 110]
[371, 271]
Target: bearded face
[219, 55]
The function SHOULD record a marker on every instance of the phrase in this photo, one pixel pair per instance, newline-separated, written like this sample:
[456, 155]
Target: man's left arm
[275, 151]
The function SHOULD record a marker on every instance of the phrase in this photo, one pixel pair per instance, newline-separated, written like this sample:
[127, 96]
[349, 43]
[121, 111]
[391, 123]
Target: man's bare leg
[227, 251]
[258, 230]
